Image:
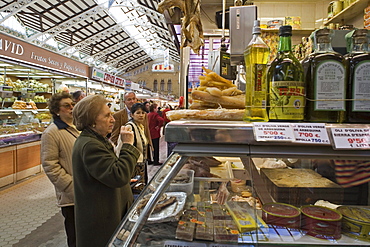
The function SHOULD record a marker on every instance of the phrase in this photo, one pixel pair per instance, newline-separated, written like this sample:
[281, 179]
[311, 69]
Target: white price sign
[18, 112]
[310, 133]
[351, 138]
[273, 132]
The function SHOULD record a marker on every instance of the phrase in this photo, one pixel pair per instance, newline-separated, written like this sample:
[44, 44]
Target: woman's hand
[127, 136]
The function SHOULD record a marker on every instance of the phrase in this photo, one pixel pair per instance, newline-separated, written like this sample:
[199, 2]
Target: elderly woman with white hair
[101, 178]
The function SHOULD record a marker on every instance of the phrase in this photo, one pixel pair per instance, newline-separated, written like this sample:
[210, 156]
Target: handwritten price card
[351, 138]
[273, 132]
[310, 133]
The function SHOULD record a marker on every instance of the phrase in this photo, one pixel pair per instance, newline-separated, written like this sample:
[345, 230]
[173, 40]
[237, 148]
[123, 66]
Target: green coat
[102, 187]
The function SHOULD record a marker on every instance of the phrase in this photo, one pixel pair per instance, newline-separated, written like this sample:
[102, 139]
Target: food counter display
[20, 134]
[225, 186]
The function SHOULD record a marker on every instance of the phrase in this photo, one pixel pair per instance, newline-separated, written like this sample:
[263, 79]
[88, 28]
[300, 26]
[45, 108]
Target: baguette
[230, 102]
[210, 114]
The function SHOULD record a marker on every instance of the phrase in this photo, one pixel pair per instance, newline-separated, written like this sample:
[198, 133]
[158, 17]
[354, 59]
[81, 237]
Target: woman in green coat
[101, 179]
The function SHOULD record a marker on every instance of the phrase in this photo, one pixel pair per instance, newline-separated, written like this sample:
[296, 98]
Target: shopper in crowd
[78, 95]
[147, 105]
[124, 115]
[170, 145]
[155, 125]
[101, 179]
[141, 142]
[56, 156]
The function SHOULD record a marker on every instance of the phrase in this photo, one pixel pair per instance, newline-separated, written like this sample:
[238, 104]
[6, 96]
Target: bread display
[216, 92]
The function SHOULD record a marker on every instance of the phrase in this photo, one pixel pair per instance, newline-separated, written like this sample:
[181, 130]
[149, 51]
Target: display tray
[169, 213]
[19, 138]
[223, 171]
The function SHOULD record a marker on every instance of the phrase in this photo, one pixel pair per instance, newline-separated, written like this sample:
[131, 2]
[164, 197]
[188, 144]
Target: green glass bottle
[325, 77]
[256, 56]
[358, 69]
[286, 83]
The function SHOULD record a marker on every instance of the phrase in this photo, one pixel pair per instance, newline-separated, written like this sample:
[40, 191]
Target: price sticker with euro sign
[273, 132]
[351, 138]
[310, 133]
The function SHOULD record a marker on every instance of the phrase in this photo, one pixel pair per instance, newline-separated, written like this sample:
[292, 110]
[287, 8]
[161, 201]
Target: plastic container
[178, 187]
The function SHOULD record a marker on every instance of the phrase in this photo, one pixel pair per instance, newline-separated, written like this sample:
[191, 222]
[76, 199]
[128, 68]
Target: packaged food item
[237, 185]
[356, 221]
[245, 216]
[321, 222]
[281, 214]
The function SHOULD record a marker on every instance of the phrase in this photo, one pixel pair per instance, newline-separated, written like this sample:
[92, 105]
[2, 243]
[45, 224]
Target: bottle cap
[256, 27]
[285, 31]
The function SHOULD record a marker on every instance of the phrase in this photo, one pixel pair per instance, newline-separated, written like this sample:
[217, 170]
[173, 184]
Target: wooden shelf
[353, 10]
[295, 31]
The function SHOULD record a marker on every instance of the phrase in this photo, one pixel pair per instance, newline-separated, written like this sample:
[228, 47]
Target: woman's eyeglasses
[69, 106]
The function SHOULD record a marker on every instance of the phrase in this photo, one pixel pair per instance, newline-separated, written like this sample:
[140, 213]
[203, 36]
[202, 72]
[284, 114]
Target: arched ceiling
[119, 34]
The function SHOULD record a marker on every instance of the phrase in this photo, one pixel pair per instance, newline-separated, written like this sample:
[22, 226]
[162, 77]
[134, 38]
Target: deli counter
[20, 135]
[231, 183]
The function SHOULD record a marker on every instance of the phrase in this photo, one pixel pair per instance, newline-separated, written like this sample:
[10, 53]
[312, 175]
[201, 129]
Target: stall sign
[128, 85]
[97, 74]
[351, 138]
[160, 67]
[25, 52]
[108, 78]
[119, 82]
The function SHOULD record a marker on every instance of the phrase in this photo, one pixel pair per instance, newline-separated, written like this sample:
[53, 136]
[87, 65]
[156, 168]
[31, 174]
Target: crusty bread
[209, 114]
[230, 102]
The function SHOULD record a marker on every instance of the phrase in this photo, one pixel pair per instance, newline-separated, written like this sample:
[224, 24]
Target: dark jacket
[102, 187]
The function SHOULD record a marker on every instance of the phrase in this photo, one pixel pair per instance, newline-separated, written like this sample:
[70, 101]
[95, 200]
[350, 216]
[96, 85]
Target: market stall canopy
[119, 35]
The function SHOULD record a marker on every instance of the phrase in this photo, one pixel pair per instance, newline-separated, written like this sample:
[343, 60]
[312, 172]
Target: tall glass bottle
[286, 82]
[256, 56]
[358, 68]
[325, 77]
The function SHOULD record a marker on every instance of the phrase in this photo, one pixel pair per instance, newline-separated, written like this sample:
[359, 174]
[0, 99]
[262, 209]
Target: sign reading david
[18, 50]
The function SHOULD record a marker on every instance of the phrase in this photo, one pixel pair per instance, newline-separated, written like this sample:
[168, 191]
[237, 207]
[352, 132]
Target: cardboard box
[300, 186]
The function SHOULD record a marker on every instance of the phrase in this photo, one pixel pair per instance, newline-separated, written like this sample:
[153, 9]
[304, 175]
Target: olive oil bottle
[286, 83]
[358, 68]
[256, 56]
[325, 77]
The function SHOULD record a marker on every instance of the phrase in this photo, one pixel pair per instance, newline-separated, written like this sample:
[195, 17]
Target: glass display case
[226, 184]
[21, 126]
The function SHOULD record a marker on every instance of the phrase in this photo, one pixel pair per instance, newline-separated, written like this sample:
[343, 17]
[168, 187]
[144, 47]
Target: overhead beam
[70, 22]
[15, 7]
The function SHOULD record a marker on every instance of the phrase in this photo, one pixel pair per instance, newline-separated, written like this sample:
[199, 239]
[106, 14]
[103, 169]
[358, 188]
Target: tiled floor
[29, 216]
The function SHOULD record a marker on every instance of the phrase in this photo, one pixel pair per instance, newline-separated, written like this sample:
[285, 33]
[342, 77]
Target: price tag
[351, 138]
[173, 243]
[34, 112]
[273, 132]
[18, 112]
[310, 133]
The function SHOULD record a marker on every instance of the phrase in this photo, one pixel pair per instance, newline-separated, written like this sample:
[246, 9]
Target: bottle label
[259, 89]
[330, 86]
[287, 100]
[361, 87]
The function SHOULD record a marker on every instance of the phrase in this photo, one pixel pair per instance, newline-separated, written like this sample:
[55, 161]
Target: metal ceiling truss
[120, 58]
[63, 26]
[88, 28]
[15, 7]
[128, 65]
